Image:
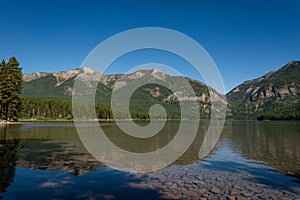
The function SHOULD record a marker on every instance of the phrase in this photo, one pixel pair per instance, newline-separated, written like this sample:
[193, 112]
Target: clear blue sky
[246, 39]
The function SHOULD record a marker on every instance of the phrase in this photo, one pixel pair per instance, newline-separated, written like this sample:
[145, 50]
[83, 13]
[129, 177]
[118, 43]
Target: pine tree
[2, 66]
[11, 85]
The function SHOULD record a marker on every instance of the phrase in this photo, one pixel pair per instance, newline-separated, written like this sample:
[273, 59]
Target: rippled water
[254, 160]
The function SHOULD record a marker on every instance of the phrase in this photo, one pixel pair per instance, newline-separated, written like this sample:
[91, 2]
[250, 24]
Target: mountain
[276, 89]
[276, 95]
[59, 85]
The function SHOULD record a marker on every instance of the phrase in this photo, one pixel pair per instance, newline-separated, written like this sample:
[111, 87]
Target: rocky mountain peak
[86, 70]
[146, 72]
[33, 76]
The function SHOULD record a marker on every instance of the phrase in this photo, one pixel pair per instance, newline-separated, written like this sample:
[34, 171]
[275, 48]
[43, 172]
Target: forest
[52, 109]
[61, 109]
[282, 113]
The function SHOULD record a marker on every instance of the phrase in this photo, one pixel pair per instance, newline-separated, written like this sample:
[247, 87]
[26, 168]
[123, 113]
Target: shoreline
[98, 120]
[21, 121]
[4, 122]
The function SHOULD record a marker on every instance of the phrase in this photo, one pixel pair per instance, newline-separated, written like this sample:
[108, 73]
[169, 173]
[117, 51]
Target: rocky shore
[196, 182]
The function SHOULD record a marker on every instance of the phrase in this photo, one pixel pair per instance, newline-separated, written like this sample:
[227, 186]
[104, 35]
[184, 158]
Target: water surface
[251, 160]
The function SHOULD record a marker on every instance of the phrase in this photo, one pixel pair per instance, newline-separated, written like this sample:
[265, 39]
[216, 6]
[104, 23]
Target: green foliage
[54, 108]
[11, 85]
[42, 108]
[141, 102]
[283, 113]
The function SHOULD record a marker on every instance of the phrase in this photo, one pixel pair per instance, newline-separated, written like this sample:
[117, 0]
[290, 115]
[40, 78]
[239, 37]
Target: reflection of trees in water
[274, 143]
[59, 149]
[8, 153]
[55, 156]
[158, 141]
[192, 153]
[52, 148]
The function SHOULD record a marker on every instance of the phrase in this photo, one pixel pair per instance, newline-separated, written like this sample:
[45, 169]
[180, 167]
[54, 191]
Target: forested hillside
[49, 95]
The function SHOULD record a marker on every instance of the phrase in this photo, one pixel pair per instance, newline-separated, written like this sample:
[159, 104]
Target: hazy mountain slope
[280, 88]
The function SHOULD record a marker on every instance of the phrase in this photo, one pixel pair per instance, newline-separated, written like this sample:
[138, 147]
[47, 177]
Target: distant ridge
[276, 89]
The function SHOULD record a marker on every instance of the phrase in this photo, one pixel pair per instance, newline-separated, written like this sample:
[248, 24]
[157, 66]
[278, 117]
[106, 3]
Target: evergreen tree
[2, 67]
[11, 85]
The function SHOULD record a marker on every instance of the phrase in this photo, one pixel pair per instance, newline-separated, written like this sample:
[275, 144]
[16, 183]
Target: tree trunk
[1, 111]
[6, 111]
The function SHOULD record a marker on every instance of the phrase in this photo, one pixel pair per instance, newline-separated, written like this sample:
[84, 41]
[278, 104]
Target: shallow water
[252, 160]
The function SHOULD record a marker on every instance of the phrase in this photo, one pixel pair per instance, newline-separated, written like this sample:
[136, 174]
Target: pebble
[231, 198]
[202, 191]
[215, 190]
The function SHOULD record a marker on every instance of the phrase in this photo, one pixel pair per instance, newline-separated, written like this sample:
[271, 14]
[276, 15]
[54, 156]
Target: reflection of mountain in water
[57, 147]
[274, 143]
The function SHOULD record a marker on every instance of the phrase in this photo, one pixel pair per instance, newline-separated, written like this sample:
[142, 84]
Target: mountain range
[276, 89]
[59, 85]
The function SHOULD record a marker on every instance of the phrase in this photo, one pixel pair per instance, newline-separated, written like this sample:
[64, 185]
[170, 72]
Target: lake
[252, 160]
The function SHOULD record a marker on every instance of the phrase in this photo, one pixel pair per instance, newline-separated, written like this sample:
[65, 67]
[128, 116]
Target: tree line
[282, 113]
[45, 108]
[52, 109]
